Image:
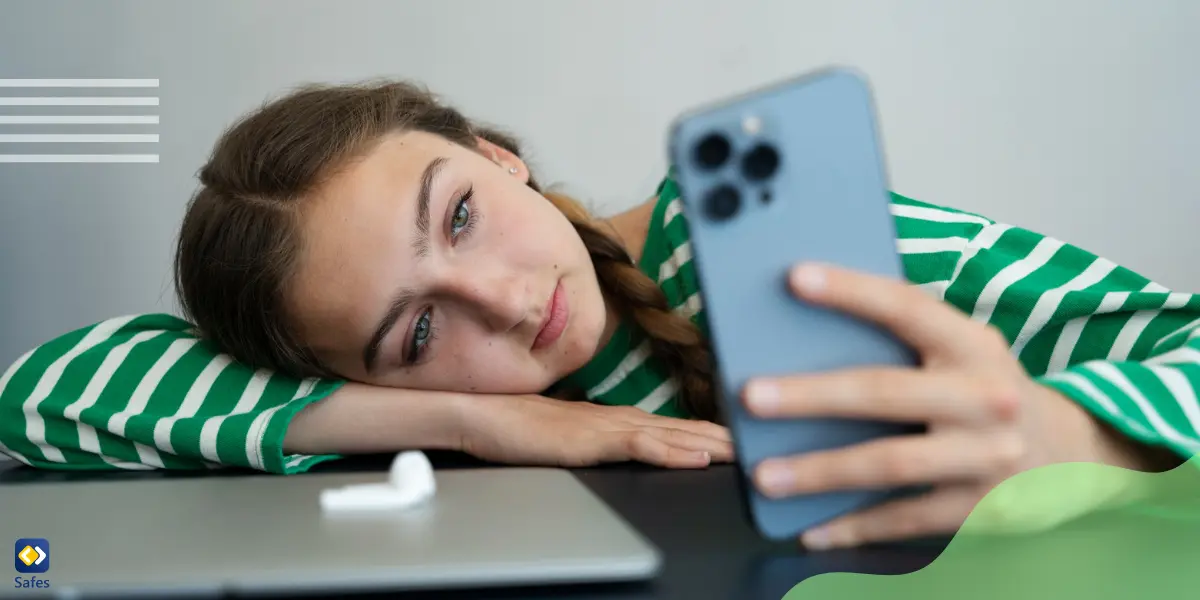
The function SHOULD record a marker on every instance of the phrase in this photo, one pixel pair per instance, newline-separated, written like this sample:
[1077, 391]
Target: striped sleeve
[1151, 396]
[1124, 347]
[144, 392]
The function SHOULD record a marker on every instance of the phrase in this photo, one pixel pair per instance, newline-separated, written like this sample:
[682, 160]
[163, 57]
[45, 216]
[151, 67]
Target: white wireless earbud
[410, 482]
[411, 470]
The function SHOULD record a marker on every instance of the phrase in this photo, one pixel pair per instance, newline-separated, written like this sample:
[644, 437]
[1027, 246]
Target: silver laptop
[267, 534]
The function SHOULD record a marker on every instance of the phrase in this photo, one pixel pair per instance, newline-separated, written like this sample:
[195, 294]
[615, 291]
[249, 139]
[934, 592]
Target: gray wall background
[1073, 117]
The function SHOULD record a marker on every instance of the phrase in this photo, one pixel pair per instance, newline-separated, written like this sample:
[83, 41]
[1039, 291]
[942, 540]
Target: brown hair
[239, 239]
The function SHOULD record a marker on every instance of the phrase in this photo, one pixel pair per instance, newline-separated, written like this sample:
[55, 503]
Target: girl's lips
[556, 319]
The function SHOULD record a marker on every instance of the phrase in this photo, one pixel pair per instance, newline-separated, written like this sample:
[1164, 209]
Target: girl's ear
[504, 159]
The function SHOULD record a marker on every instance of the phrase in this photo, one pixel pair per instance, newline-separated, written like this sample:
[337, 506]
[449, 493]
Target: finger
[884, 393]
[703, 428]
[641, 445]
[892, 461]
[718, 450]
[940, 512]
[710, 429]
[699, 426]
[908, 312]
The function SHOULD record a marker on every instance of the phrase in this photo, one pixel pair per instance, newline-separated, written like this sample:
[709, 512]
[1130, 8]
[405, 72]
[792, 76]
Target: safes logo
[31, 555]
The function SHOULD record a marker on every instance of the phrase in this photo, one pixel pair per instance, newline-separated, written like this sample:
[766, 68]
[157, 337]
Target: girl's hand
[544, 431]
[987, 420]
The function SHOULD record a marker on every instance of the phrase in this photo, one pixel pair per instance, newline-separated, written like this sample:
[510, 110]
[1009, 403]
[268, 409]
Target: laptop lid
[267, 534]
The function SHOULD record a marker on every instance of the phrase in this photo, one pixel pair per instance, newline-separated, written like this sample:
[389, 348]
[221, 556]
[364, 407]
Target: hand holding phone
[985, 421]
[780, 175]
[888, 413]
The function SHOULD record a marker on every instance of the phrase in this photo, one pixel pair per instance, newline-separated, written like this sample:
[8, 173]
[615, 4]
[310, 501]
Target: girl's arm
[510, 429]
[1121, 346]
[359, 419]
[145, 392]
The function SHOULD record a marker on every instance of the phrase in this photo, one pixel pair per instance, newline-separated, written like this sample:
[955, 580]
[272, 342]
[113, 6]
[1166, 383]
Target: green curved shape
[1064, 531]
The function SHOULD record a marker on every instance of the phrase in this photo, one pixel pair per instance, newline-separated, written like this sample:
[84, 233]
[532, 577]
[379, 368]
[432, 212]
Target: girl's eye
[421, 335]
[461, 218]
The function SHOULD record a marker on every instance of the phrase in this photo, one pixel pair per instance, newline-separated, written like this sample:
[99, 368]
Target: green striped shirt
[144, 392]
[1122, 346]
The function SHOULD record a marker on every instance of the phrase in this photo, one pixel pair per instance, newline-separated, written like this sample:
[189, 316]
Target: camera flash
[751, 124]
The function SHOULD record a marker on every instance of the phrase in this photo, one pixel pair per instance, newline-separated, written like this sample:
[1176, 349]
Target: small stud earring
[512, 170]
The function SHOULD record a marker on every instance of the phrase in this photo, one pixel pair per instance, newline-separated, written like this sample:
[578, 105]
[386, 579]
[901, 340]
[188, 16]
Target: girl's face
[428, 265]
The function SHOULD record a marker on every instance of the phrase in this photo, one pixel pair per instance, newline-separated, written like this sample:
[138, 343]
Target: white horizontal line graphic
[79, 101]
[78, 158]
[78, 119]
[85, 138]
[72, 83]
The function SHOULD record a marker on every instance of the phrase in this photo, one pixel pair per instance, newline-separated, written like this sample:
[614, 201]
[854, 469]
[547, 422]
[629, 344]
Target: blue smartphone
[783, 174]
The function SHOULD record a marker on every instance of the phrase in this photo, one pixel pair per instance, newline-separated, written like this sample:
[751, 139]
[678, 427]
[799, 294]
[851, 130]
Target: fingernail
[817, 539]
[809, 279]
[762, 396]
[774, 478]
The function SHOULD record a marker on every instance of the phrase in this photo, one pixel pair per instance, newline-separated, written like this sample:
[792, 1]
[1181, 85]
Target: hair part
[241, 237]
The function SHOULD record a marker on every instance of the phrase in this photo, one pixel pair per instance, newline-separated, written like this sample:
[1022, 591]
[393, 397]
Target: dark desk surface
[694, 517]
[711, 553]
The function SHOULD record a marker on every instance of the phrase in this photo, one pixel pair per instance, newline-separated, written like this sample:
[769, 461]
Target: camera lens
[722, 202]
[712, 151]
[760, 163]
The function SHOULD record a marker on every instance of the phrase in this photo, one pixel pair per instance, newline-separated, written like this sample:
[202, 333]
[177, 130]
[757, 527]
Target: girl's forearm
[359, 419]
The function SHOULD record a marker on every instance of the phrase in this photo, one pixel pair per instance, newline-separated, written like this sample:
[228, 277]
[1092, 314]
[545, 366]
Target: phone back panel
[828, 201]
